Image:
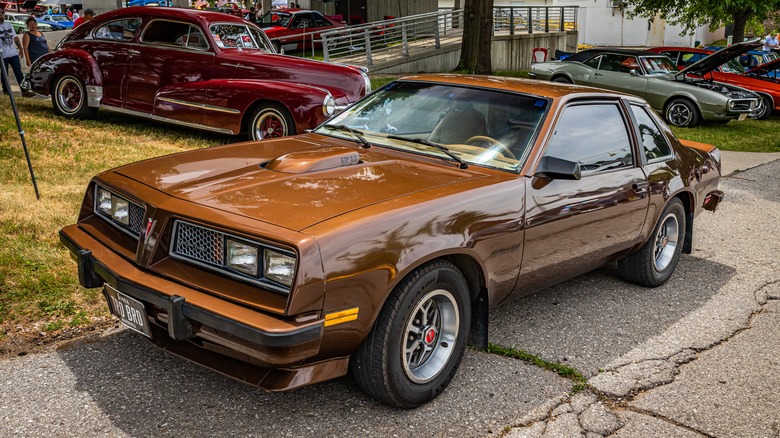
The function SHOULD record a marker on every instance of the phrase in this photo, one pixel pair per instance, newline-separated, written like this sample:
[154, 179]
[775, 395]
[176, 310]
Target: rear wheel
[682, 113]
[655, 262]
[69, 98]
[417, 344]
[270, 120]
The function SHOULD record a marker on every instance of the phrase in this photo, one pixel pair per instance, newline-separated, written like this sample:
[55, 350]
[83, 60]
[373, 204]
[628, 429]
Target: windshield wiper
[444, 149]
[358, 134]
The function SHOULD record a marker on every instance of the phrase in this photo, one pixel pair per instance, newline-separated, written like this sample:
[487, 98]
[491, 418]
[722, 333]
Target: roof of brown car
[553, 90]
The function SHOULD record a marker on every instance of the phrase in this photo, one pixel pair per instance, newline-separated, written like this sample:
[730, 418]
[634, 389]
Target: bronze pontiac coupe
[379, 241]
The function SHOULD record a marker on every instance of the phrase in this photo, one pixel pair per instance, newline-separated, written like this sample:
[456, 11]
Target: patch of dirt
[25, 338]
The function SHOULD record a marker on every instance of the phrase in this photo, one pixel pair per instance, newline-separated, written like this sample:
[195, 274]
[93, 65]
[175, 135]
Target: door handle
[641, 187]
[133, 52]
[598, 74]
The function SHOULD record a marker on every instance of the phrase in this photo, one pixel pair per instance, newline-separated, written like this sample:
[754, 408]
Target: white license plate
[742, 117]
[130, 311]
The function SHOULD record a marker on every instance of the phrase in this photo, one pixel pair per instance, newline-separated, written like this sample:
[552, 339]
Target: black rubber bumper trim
[181, 313]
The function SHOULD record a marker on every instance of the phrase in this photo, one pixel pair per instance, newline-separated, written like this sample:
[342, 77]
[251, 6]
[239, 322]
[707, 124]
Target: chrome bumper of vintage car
[185, 313]
[743, 106]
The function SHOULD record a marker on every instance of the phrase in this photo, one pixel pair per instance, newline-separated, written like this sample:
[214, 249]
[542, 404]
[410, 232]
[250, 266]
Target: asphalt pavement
[695, 357]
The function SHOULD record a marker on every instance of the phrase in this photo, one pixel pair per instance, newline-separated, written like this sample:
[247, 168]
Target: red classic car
[296, 29]
[200, 69]
[377, 243]
[729, 70]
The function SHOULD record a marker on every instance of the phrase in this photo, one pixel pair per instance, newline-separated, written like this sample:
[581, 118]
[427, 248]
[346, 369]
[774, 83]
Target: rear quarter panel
[76, 62]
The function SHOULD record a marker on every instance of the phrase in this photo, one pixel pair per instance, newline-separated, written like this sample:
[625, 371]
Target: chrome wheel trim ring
[269, 123]
[679, 114]
[666, 241]
[69, 90]
[429, 336]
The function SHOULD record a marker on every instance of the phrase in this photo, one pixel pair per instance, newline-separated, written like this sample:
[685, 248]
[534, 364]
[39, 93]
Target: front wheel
[655, 262]
[682, 113]
[270, 120]
[766, 109]
[69, 98]
[562, 80]
[419, 339]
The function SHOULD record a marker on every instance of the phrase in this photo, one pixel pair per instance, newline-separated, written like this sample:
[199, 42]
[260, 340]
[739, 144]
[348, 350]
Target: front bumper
[189, 315]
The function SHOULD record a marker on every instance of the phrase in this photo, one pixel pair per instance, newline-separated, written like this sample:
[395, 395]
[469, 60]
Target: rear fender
[75, 62]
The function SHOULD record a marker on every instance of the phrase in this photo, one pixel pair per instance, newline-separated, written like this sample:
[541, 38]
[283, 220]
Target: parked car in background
[378, 242]
[56, 21]
[16, 18]
[296, 29]
[682, 100]
[234, 8]
[732, 72]
[149, 3]
[200, 69]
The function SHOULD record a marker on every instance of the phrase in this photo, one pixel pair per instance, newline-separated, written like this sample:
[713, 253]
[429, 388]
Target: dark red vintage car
[296, 29]
[378, 242]
[200, 69]
[727, 69]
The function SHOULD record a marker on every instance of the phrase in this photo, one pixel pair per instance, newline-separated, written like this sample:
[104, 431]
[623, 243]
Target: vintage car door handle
[133, 52]
[641, 187]
[598, 74]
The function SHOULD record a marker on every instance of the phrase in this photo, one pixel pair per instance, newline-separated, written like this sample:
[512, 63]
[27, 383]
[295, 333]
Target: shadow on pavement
[593, 319]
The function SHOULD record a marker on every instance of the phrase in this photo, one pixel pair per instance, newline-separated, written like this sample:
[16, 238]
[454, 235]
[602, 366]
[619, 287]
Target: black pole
[7, 81]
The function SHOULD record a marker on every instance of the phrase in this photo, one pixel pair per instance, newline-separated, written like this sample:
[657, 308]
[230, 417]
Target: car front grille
[136, 219]
[198, 243]
[743, 105]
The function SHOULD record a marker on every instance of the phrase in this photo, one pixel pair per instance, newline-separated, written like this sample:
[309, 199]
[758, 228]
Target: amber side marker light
[341, 316]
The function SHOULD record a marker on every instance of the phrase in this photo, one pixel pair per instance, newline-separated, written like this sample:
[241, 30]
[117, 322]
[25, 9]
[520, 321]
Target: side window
[619, 63]
[593, 62]
[118, 30]
[653, 140]
[593, 135]
[320, 21]
[174, 33]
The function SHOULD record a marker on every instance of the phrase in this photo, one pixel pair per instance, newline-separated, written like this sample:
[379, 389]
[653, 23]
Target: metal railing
[414, 33]
[405, 36]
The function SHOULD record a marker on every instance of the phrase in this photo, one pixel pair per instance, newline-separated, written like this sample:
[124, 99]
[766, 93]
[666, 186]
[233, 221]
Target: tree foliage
[716, 13]
[477, 37]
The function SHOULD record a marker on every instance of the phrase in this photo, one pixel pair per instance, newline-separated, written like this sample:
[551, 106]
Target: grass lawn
[39, 290]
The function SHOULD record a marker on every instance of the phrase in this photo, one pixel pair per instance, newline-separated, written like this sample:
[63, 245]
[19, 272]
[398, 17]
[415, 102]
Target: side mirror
[558, 168]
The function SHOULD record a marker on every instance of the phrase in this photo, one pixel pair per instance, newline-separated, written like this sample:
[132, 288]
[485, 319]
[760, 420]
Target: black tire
[681, 112]
[561, 79]
[405, 361]
[69, 98]
[277, 46]
[270, 120]
[766, 108]
[655, 262]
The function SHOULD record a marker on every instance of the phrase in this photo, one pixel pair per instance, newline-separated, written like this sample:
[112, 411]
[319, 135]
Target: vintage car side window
[239, 36]
[174, 33]
[619, 63]
[653, 140]
[319, 20]
[593, 62]
[593, 135]
[118, 30]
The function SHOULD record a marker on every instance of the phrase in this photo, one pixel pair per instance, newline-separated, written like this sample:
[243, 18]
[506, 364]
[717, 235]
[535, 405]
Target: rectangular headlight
[279, 267]
[121, 211]
[104, 201]
[242, 257]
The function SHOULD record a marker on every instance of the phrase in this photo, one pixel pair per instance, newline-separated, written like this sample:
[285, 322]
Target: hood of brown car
[293, 182]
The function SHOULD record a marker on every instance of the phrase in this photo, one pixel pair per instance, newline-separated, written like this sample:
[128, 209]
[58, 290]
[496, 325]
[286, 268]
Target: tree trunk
[477, 37]
[740, 21]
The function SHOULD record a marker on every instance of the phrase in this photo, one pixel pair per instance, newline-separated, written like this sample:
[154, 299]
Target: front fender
[75, 62]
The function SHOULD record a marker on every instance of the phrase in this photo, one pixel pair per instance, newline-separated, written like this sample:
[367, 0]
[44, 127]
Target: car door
[620, 72]
[169, 55]
[573, 226]
[111, 52]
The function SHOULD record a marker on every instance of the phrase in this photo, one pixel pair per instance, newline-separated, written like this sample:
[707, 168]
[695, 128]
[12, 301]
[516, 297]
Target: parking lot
[630, 342]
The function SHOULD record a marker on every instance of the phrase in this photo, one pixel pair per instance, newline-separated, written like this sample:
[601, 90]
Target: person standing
[76, 15]
[88, 15]
[33, 42]
[10, 47]
[770, 42]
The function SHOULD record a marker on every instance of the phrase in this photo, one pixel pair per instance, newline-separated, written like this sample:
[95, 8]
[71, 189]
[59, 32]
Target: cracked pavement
[694, 357]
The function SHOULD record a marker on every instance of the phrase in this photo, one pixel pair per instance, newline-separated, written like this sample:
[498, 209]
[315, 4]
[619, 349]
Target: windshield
[477, 126]
[657, 64]
[58, 18]
[733, 66]
[241, 36]
[276, 19]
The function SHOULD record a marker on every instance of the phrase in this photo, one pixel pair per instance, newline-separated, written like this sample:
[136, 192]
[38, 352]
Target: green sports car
[682, 100]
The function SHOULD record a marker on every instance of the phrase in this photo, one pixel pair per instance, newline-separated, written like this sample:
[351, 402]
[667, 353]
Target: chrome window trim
[186, 49]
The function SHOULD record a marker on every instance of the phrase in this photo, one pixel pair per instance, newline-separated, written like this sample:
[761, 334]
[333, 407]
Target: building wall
[376, 10]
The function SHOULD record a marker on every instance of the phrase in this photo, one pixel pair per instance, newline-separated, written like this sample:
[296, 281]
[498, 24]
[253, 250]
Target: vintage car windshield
[733, 66]
[484, 127]
[657, 65]
[239, 36]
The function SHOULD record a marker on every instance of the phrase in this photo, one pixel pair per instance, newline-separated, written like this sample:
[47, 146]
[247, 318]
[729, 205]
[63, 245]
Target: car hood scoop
[292, 182]
[314, 160]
